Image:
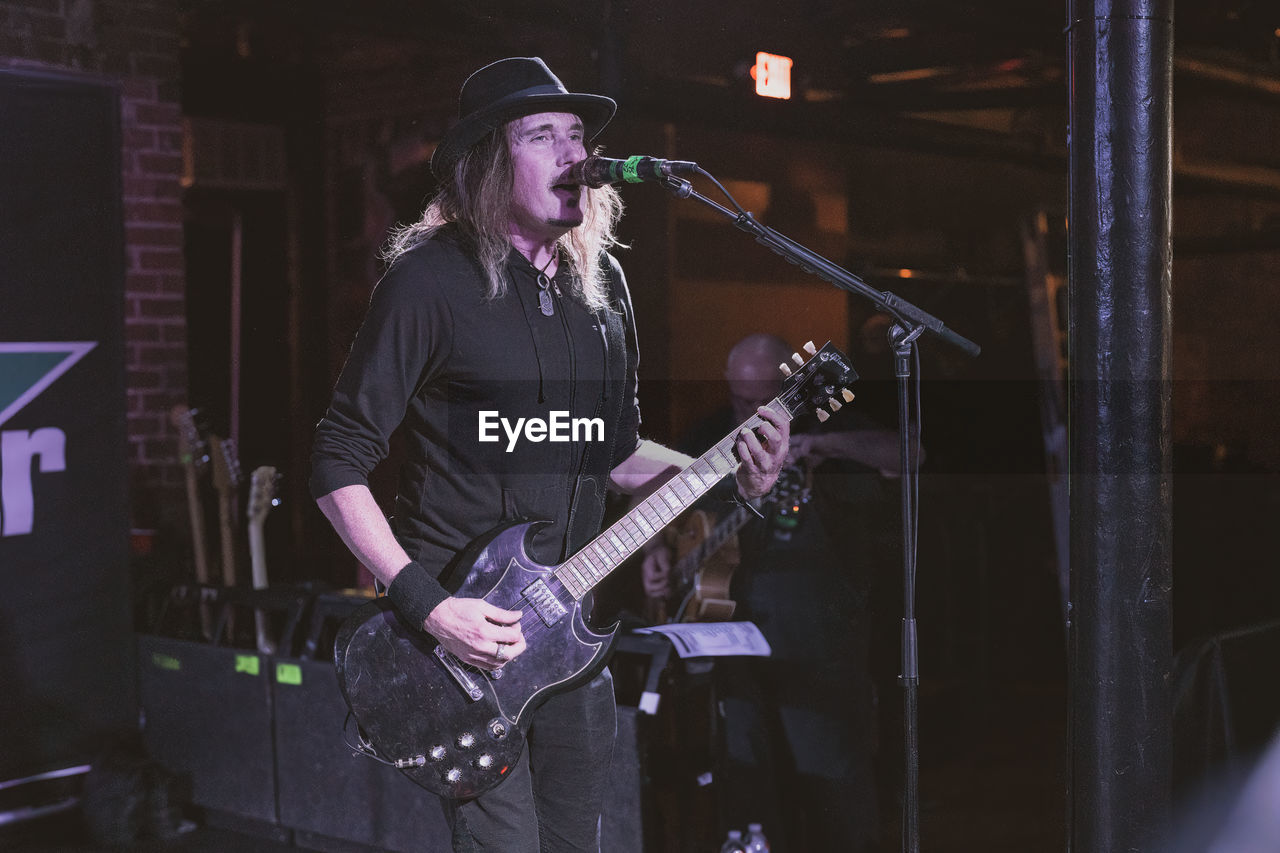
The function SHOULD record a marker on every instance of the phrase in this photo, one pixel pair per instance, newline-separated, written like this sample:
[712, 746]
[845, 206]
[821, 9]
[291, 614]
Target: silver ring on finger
[501, 653]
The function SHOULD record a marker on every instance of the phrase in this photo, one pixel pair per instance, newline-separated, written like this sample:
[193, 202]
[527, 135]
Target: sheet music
[713, 639]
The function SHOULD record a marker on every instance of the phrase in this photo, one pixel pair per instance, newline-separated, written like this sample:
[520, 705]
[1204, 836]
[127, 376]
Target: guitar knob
[847, 394]
[810, 348]
[798, 359]
[785, 368]
[498, 729]
[453, 775]
[466, 740]
[485, 761]
[822, 415]
[436, 753]
[834, 404]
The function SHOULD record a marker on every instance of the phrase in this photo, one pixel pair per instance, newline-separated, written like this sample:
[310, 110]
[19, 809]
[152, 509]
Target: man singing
[503, 303]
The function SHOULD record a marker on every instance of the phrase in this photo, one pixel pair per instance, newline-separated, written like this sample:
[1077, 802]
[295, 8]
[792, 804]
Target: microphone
[598, 171]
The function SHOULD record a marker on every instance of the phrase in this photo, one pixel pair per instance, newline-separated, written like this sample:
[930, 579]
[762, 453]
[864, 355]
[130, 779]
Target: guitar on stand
[193, 451]
[263, 485]
[456, 729]
[707, 554]
[227, 479]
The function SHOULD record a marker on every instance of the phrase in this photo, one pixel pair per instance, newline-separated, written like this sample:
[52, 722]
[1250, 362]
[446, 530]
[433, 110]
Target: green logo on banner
[248, 664]
[26, 369]
[288, 673]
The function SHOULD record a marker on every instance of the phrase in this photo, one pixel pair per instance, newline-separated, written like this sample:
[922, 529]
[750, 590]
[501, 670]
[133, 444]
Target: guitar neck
[258, 555]
[581, 572]
[227, 523]
[258, 566]
[195, 511]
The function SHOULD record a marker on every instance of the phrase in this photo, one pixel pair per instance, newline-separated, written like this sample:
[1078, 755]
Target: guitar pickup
[459, 673]
[544, 602]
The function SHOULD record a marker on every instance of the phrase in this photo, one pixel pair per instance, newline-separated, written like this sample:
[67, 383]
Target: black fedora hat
[508, 89]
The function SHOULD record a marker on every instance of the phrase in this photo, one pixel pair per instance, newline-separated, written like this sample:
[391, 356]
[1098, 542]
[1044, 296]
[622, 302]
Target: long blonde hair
[478, 200]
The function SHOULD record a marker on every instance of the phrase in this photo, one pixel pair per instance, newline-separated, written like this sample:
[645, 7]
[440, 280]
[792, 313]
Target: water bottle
[734, 843]
[756, 842]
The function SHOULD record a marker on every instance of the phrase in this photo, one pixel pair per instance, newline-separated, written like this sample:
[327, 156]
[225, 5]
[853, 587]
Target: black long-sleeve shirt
[433, 355]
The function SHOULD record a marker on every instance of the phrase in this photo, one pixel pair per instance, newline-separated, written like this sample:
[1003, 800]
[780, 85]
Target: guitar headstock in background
[264, 483]
[225, 459]
[193, 450]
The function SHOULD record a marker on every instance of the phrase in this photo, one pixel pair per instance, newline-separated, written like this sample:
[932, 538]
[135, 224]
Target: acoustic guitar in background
[707, 555]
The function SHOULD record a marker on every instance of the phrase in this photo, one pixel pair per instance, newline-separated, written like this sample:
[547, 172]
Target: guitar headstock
[819, 384]
[227, 475]
[263, 485]
[192, 449]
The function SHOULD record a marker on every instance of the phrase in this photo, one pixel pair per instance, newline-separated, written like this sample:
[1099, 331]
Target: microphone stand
[911, 323]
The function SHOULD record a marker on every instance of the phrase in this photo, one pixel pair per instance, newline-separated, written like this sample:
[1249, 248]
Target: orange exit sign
[772, 74]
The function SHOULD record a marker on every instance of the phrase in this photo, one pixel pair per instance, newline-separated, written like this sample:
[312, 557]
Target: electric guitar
[263, 483]
[457, 729]
[194, 454]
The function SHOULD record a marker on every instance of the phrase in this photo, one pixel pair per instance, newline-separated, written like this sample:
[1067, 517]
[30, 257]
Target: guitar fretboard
[607, 551]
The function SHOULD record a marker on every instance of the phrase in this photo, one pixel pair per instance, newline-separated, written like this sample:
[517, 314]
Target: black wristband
[415, 593]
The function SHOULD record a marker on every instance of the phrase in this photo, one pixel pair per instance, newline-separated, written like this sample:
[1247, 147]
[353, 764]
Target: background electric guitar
[194, 454]
[263, 484]
[227, 479]
[456, 729]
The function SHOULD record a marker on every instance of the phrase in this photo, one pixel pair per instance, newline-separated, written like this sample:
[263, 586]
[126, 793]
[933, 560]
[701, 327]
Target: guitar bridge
[459, 673]
[544, 602]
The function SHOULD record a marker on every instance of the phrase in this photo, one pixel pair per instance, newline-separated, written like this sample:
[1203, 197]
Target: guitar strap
[587, 509]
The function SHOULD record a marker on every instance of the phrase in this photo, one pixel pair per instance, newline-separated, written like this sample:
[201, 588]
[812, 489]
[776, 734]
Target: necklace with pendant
[545, 285]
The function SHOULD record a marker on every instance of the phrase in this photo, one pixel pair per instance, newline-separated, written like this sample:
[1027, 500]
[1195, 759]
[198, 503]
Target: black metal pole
[1120, 265]
[903, 341]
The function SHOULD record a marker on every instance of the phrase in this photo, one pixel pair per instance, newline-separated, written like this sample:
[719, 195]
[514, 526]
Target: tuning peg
[834, 404]
[785, 368]
[810, 348]
[822, 415]
[847, 394]
[797, 358]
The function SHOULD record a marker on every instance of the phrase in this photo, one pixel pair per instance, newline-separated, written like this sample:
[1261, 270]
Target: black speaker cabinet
[207, 713]
[329, 794]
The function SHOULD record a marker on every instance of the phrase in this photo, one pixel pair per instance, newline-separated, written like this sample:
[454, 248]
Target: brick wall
[135, 44]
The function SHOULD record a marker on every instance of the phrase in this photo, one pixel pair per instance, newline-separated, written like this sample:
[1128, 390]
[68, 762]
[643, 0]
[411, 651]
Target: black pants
[552, 799]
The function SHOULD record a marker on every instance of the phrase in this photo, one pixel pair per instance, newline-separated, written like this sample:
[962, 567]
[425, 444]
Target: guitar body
[708, 597]
[410, 703]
